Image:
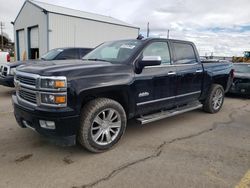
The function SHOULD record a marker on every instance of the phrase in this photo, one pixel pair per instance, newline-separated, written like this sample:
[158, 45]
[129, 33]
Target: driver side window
[158, 49]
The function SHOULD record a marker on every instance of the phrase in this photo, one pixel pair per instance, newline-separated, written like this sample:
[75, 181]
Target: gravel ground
[194, 149]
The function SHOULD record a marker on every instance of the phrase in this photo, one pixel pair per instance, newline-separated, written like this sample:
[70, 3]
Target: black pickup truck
[90, 100]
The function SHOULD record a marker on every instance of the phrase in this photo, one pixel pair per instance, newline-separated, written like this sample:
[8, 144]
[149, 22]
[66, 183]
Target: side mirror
[150, 61]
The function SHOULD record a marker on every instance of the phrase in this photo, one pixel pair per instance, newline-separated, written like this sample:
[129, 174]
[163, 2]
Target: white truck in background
[4, 57]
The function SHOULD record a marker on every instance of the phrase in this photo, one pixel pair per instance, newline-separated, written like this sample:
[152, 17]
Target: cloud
[218, 26]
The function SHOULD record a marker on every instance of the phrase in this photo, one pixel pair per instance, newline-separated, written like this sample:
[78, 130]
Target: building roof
[78, 13]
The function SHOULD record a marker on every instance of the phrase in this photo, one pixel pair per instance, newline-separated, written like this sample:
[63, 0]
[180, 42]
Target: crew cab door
[189, 72]
[155, 86]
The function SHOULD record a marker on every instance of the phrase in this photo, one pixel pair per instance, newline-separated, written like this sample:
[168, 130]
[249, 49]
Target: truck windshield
[114, 52]
[51, 55]
[242, 68]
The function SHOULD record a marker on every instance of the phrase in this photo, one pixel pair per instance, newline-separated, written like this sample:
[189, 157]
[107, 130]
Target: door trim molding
[171, 65]
[168, 98]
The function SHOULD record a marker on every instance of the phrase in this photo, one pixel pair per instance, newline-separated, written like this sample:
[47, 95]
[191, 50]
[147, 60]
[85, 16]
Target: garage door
[34, 42]
[21, 45]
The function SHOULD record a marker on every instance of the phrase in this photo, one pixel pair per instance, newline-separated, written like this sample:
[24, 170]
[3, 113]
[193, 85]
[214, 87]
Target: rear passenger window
[184, 53]
[158, 49]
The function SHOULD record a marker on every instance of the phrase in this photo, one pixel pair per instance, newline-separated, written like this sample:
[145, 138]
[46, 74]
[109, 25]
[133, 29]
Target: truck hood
[18, 63]
[74, 68]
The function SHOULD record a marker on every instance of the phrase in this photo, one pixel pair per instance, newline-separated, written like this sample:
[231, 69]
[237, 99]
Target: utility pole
[168, 33]
[1, 26]
[148, 30]
[211, 55]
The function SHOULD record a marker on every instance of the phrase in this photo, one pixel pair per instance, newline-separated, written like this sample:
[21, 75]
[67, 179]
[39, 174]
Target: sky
[221, 27]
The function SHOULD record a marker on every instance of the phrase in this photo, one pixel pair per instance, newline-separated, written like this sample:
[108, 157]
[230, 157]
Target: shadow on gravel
[6, 92]
[237, 96]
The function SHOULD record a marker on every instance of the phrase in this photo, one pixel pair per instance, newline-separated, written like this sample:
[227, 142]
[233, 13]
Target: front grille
[28, 89]
[4, 71]
[27, 95]
[26, 80]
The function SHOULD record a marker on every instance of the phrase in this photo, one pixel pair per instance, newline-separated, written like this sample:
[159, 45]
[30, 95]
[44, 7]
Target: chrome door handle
[199, 70]
[171, 73]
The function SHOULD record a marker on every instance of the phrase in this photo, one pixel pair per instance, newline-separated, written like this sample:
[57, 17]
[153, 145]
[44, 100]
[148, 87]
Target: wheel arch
[221, 80]
[119, 94]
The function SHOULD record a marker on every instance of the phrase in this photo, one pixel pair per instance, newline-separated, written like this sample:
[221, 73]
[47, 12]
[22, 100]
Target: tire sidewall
[211, 98]
[89, 120]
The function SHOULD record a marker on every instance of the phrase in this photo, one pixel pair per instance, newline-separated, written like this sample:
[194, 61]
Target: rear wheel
[103, 123]
[215, 99]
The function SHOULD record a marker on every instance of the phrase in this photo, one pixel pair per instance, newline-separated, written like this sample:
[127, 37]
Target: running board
[164, 114]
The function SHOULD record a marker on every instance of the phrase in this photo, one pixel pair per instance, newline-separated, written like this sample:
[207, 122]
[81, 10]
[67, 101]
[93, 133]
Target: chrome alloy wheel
[217, 99]
[106, 127]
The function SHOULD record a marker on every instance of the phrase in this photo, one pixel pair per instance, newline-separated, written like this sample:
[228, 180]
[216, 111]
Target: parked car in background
[7, 70]
[4, 57]
[203, 60]
[65, 53]
[241, 82]
[91, 100]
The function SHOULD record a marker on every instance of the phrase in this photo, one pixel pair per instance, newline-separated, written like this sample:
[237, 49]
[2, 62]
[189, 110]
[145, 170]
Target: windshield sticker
[128, 46]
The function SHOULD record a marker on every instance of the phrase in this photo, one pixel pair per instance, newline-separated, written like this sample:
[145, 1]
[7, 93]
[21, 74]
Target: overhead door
[34, 42]
[21, 45]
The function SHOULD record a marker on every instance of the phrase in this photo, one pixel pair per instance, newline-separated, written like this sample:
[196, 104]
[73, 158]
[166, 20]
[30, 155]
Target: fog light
[243, 90]
[47, 124]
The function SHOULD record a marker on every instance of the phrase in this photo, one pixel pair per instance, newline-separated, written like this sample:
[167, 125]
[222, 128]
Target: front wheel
[215, 99]
[103, 122]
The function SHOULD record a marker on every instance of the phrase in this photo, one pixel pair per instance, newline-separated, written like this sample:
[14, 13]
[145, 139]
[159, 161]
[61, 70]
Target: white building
[40, 27]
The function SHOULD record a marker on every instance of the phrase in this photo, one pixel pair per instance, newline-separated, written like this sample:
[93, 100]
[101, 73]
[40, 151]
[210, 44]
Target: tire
[215, 99]
[103, 123]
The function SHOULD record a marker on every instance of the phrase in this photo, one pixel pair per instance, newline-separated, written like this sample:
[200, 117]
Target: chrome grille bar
[26, 80]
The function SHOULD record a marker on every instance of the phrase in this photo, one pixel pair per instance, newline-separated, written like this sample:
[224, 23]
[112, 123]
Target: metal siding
[78, 13]
[31, 16]
[21, 43]
[68, 31]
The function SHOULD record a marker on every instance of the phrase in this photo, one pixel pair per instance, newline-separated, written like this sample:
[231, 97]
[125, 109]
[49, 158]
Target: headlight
[55, 83]
[54, 99]
[12, 71]
[54, 91]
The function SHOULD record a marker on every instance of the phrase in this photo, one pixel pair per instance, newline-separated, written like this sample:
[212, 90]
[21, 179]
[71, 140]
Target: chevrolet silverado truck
[89, 101]
[7, 69]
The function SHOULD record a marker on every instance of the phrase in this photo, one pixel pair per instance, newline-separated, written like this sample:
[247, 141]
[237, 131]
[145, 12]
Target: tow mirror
[150, 61]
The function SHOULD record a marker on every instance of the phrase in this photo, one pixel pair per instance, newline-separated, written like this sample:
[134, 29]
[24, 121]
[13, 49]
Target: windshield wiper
[95, 59]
